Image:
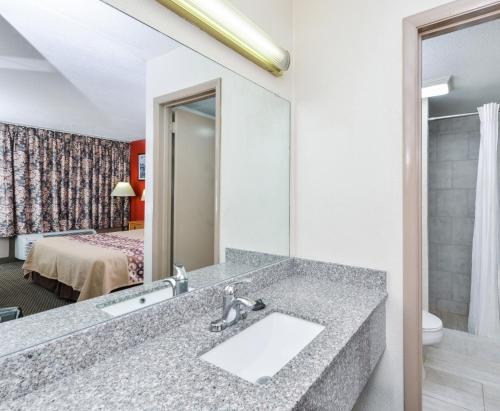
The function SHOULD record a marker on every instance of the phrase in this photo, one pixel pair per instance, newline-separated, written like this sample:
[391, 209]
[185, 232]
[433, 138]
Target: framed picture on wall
[141, 166]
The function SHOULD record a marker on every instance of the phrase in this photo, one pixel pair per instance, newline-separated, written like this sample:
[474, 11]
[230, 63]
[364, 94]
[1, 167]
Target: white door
[193, 190]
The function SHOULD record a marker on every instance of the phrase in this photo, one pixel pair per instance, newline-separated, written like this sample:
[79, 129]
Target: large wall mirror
[132, 169]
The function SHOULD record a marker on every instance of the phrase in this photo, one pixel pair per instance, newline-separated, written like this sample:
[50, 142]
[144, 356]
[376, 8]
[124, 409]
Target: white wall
[348, 152]
[254, 184]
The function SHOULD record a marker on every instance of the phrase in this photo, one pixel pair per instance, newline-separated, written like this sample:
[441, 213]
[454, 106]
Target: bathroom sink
[136, 303]
[257, 353]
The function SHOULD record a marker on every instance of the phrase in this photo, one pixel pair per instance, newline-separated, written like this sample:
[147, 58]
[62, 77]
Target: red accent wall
[136, 205]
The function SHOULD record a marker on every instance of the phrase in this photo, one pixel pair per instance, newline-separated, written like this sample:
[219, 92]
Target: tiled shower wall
[452, 173]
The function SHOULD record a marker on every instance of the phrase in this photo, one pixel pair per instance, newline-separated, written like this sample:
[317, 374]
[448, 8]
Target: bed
[79, 267]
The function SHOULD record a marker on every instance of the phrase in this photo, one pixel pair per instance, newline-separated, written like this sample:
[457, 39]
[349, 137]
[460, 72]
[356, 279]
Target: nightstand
[135, 225]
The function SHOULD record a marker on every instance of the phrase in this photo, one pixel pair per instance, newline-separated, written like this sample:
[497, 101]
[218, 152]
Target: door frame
[449, 17]
[161, 196]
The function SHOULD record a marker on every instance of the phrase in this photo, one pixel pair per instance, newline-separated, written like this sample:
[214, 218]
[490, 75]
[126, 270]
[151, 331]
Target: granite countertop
[18, 335]
[166, 372]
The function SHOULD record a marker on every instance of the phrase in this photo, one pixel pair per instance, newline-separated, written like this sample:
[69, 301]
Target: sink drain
[263, 380]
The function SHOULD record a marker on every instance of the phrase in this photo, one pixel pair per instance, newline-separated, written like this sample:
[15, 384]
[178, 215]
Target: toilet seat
[432, 329]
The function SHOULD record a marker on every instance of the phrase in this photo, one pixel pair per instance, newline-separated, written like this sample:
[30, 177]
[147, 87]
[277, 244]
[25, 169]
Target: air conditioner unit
[24, 242]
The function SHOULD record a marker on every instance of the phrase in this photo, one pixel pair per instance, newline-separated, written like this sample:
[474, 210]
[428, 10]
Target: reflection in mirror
[132, 169]
[192, 193]
[248, 206]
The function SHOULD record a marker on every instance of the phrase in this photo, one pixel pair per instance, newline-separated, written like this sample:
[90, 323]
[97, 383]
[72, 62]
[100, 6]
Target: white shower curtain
[484, 312]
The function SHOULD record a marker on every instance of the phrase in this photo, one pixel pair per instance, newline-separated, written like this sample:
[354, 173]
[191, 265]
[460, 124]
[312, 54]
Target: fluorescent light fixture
[222, 20]
[436, 87]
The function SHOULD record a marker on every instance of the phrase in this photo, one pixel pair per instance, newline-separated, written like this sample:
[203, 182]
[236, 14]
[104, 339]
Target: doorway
[460, 323]
[445, 19]
[186, 183]
[192, 189]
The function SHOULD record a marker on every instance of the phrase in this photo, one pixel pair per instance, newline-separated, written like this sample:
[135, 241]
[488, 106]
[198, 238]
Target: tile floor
[462, 373]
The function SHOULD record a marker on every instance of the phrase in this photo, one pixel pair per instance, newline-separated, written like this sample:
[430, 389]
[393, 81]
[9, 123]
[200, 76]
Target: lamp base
[123, 213]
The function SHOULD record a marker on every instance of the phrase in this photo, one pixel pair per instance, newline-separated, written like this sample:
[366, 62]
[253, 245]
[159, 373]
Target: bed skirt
[63, 291]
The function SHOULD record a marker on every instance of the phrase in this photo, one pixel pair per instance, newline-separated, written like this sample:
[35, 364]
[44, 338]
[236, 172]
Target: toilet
[432, 329]
[432, 333]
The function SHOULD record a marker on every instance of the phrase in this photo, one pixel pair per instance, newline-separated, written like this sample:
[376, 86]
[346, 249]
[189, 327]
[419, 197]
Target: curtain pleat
[7, 217]
[53, 181]
[484, 312]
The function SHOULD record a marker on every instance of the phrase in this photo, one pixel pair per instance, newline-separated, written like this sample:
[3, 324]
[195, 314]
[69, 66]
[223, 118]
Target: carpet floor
[16, 291]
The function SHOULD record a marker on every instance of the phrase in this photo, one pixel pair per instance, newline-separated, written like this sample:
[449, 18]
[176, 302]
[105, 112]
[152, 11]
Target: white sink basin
[136, 303]
[261, 350]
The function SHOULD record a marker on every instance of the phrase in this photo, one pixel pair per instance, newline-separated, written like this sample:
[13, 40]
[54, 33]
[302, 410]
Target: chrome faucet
[232, 307]
[179, 281]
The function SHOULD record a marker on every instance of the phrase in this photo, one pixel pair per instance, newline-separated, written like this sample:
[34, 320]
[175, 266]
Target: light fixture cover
[436, 87]
[143, 197]
[222, 20]
[123, 189]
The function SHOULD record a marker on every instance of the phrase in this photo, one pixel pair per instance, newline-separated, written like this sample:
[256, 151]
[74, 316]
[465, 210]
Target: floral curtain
[54, 181]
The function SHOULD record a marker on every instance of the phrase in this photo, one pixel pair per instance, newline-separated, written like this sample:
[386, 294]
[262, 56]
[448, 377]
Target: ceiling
[472, 57]
[86, 61]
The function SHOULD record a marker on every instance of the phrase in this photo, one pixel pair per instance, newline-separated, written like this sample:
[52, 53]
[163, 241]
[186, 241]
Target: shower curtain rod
[454, 116]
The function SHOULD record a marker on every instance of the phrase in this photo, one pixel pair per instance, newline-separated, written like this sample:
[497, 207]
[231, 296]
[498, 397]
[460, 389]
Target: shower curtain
[484, 312]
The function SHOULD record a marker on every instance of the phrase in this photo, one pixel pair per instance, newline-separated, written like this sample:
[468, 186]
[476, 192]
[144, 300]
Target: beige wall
[348, 148]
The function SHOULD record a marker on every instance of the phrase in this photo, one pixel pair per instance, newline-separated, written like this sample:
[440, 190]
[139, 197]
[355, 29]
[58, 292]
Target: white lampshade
[123, 189]
[143, 197]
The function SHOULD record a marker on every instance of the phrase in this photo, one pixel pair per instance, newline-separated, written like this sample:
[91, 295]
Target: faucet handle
[230, 288]
[180, 272]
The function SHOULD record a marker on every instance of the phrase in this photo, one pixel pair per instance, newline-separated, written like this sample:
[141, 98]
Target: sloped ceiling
[472, 57]
[83, 59]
